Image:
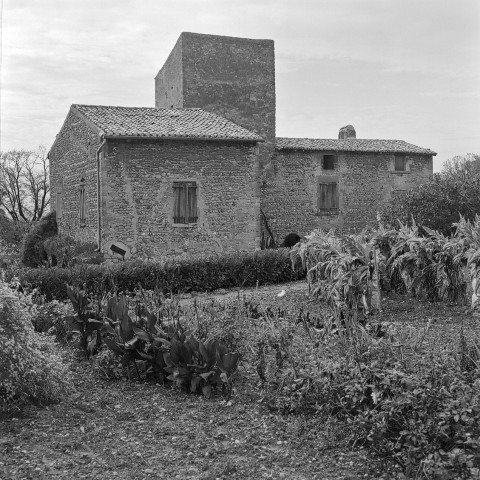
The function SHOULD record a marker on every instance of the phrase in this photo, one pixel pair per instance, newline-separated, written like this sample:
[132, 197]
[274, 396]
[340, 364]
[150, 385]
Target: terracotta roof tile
[164, 123]
[350, 145]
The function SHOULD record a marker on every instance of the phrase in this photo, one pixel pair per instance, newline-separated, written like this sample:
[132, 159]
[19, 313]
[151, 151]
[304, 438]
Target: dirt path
[271, 293]
[119, 430]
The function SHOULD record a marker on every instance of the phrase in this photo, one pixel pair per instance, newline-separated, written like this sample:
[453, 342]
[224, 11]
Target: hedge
[264, 267]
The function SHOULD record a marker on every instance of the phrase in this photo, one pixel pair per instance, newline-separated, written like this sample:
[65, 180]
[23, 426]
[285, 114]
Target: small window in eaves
[400, 163]
[328, 162]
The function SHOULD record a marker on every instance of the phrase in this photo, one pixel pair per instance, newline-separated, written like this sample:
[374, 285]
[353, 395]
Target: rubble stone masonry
[137, 181]
[232, 77]
[289, 190]
[72, 158]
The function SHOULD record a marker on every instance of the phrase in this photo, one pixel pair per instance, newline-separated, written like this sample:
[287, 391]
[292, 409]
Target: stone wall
[169, 80]
[289, 190]
[72, 157]
[137, 201]
[232, 77]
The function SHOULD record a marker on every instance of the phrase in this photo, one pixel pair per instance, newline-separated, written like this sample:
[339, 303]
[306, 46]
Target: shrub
[49, 317]
[65, 251]
[108, 365]
[30, 367]
[12, 232]
[424, 413]
[9, 260]
[172, 277]
[33, 250]
[440, 201]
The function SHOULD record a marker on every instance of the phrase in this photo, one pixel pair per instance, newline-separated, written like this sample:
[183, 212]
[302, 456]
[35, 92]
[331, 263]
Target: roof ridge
[343, 139]
[351, 145]
[138, 108]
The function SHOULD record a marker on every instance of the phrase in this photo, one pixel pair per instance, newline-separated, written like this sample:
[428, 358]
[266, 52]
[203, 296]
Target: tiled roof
[350, 145]
[191, 123]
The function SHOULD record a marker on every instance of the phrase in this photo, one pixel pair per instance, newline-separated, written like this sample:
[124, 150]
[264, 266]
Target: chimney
[347, 132]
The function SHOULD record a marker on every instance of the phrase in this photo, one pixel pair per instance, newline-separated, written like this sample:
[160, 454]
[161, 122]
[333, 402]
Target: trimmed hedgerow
[196, 275]
[33, 251]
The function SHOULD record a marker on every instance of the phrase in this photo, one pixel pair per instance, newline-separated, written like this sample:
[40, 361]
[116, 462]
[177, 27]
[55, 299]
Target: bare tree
[24, 184]
[465, 167]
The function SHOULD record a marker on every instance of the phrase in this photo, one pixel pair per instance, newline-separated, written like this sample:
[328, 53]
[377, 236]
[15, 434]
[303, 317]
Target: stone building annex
[202, 170]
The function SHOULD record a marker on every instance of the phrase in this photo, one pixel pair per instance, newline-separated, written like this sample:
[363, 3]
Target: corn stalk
[467, 243]
[428, 265]
[344, 271]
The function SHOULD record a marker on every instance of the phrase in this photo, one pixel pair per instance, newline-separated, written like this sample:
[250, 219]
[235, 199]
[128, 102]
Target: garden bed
[135, 430]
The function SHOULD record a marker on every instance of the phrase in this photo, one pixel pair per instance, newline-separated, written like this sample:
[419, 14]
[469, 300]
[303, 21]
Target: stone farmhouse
[203, 171]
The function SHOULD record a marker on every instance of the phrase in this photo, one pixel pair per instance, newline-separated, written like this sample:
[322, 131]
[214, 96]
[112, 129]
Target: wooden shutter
[328, 196]
[179, 203]
[185, 202]
[191, 189]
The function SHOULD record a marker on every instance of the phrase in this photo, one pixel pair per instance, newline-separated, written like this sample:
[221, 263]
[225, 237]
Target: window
[59, 205]
[185, 203]
[328, 162]
[82, 201]
[59, 199]
[328, 194]
[400, 163]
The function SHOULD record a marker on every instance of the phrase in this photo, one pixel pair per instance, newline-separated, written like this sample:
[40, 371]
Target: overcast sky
[395, 69]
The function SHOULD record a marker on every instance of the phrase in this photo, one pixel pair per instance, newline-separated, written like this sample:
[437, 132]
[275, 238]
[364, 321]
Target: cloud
[391, 67]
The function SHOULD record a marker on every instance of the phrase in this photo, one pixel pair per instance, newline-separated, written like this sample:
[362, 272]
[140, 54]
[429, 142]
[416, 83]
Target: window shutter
[336, 197]
[179, 204]
[185, 203]
[322, 196]
[328, 198]
[192, 203]
[332, 196]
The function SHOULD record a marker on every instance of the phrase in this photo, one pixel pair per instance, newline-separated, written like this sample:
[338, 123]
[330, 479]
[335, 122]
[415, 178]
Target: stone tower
[232, 77]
